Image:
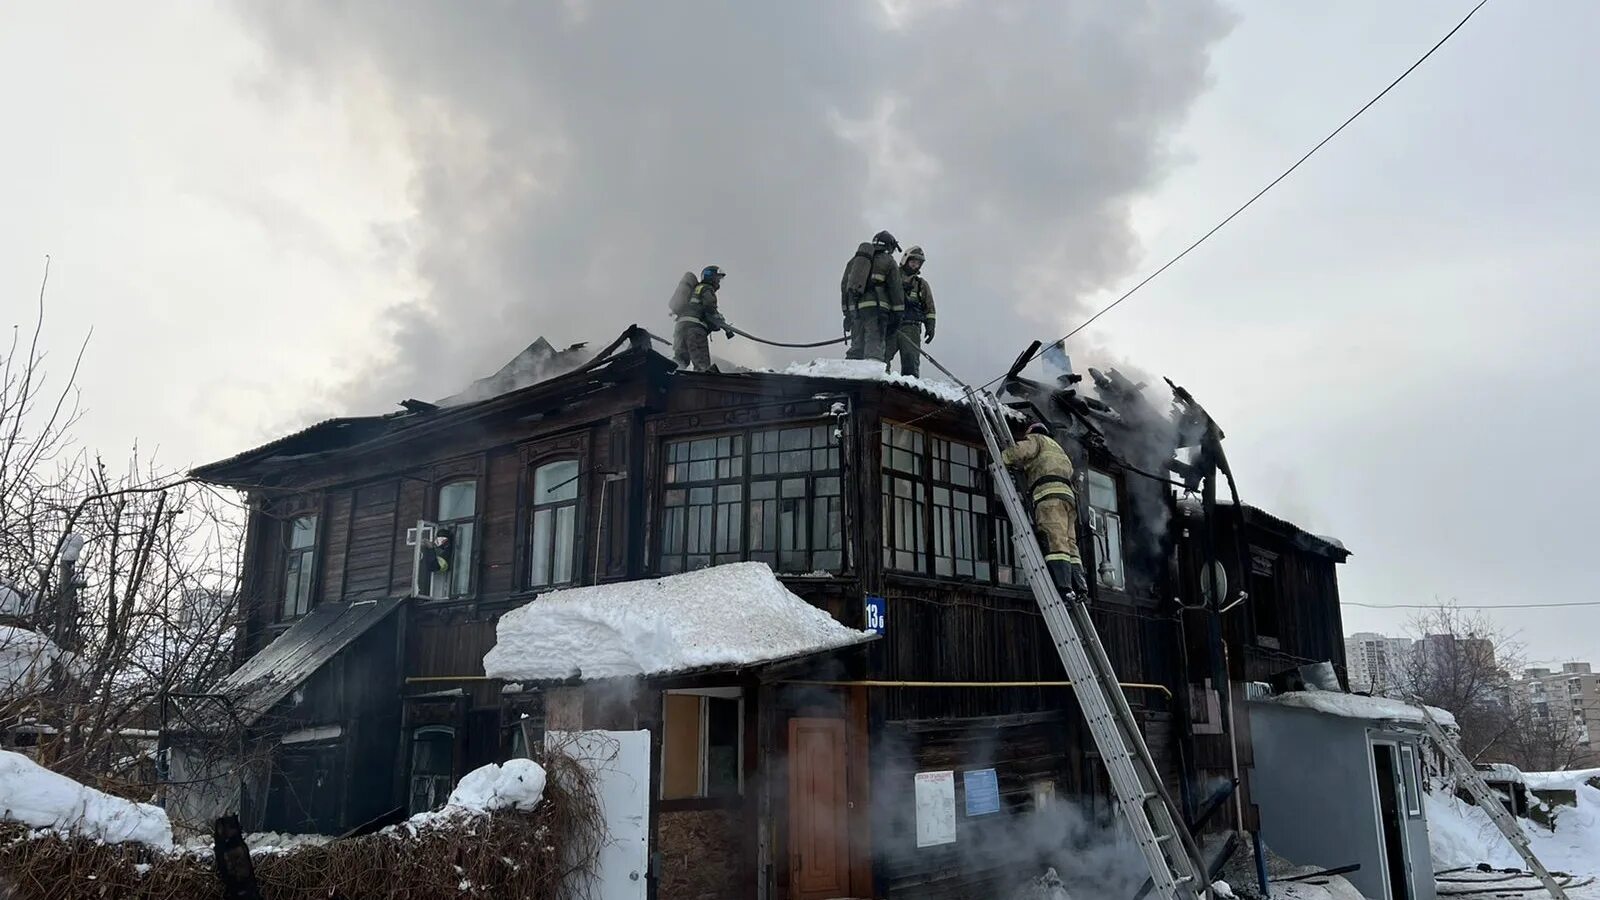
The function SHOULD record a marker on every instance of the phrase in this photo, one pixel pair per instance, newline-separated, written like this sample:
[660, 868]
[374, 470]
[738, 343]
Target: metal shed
[1338, 782]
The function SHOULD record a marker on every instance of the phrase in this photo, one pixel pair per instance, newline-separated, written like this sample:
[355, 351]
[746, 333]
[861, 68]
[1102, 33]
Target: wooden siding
[335, 545]
[371, 554]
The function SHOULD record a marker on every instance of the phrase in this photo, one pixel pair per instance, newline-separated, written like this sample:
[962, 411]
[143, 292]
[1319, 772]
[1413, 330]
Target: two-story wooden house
[357, 698]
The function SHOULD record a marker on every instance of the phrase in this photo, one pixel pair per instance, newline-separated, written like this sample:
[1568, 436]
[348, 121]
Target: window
[702, 737]
[433, 756]
[1263, 588]
[938, 516]
[553, 523]
[299, 567]
[458, 514]
[1105, 522]
[773, 495]
[1408, 772]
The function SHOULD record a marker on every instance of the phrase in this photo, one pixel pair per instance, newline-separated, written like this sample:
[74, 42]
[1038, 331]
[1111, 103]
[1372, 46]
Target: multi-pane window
[1105, 521]
[938, 516]
[553, 524]
[458, 516]
[299, 567]
[772, 495]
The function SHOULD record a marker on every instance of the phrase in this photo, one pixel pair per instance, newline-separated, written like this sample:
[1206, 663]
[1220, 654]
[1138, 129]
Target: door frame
[1373, 742]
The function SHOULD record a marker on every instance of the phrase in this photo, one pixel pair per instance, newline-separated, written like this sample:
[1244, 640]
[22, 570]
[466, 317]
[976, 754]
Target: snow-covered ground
[33, 795]
[735, 614]
[1461, 835]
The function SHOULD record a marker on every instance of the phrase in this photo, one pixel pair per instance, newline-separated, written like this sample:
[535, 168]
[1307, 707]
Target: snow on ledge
[33, 795]
[1358, 706]
[1559, 781]
[731, 615]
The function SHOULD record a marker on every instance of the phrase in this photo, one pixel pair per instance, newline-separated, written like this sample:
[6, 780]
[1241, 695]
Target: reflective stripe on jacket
[1045, 466]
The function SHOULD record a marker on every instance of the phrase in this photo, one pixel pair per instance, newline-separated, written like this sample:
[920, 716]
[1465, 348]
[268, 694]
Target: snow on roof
[1559, 781]
[1330, 539]
[36, 796]
[1359, 706]
[871, 370]
[25, 658]
[738, 614]
[1500, 772]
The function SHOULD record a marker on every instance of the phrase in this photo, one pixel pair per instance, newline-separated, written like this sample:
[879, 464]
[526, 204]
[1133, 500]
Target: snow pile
[518, 784]
[25, 659]
[1461, 834]
[1357, 706]
[259, 842]
[33, 795]
[733, 615]
[1559, 781]
[13, 602]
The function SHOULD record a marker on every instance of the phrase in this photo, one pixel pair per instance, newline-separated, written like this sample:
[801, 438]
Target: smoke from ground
[572, 159]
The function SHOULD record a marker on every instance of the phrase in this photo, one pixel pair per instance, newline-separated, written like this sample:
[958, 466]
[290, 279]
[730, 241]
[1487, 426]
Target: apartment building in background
[1376, 662]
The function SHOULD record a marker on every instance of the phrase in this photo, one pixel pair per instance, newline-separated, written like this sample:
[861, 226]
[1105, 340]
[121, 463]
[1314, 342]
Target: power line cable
[1470, 606]
[1259, 194]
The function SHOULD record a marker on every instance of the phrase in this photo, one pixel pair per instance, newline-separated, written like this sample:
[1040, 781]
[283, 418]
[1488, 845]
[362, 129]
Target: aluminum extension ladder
[1176, 868]
[1488, 802]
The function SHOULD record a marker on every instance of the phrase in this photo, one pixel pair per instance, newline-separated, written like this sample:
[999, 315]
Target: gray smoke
[573, 158]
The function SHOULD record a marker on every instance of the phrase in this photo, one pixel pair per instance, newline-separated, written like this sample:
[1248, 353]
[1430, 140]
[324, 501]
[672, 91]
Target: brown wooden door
[819, 824]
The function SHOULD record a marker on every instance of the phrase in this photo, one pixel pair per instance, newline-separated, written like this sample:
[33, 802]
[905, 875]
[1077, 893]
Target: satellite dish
[1220, 576]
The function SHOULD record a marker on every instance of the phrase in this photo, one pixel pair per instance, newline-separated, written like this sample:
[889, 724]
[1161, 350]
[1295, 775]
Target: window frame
[739, 492]
[468, 564]
[1410, 781]
[529, 513]
[703, 746]
[1098, 515]
[417, 733]
[308, 559]
[920, 486]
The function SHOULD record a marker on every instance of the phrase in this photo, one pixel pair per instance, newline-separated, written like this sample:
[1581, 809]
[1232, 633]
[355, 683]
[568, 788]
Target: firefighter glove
[928, 338]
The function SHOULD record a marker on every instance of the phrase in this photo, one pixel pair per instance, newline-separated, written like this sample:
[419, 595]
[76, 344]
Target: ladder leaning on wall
[1469, 778]
[1176, 868]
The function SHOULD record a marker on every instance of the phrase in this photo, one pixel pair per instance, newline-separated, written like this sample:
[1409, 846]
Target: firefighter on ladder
[1048, 473]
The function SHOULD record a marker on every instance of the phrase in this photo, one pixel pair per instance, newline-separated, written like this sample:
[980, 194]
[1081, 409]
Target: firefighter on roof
[1048, 474]
[915, 317]
[869, 293]
[696, 311]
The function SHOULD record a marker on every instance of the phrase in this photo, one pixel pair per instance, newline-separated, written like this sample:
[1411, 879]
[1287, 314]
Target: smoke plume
[571, 159]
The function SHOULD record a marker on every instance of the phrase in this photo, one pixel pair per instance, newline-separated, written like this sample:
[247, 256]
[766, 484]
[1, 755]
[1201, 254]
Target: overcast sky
[276, 212]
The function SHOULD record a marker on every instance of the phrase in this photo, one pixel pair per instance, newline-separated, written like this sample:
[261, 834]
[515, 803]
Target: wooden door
[819, 822]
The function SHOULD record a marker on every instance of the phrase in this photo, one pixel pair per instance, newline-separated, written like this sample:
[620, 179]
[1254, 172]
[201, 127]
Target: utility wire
[1466, 606]
[1258, 195]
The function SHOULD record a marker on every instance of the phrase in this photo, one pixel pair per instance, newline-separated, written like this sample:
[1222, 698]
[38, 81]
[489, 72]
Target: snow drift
[733, 615]
[1461, 834]
[33, 795]
[25, 659]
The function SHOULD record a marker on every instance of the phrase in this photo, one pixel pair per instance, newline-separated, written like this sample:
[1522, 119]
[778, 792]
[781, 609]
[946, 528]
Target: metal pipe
[1131, 685]
[1166, 691]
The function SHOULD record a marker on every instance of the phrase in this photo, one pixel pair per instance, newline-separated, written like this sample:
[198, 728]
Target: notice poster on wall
[983, 792]
[936, 808]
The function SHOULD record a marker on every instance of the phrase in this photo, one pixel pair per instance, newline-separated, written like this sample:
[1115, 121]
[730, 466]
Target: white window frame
[1410, 786]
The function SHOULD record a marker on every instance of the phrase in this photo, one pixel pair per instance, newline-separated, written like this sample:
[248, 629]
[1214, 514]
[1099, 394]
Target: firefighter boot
[1061, 574]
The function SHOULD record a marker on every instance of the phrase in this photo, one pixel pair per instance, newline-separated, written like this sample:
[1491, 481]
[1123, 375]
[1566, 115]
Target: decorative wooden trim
[571, 445]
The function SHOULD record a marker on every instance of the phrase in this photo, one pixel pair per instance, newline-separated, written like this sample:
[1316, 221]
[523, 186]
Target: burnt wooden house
[867, 495]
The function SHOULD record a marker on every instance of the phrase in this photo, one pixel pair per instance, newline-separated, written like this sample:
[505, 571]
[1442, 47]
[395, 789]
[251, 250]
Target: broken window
[553, 521]
[1105, 522]
[299, 567]
[781, 504]
[458, 514]
[433, 757]
[702, 735]
[1263, 588]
